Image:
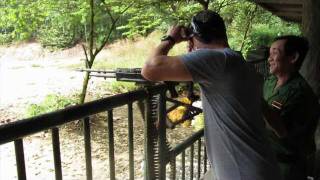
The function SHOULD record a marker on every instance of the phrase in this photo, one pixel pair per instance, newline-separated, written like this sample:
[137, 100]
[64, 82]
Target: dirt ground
[27, 74]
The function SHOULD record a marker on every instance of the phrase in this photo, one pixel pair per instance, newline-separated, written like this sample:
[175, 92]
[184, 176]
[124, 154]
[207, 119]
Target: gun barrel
[120, 74]
[102, 75]
[96, 71]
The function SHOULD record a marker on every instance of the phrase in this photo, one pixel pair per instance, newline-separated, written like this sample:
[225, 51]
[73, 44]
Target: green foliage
[59, 37]
[264, 34]
[5, 38]
[250, 26]
[53, 22]
[65, 22]
[50, 103]
[198, 122]
[147, 16]
[128, 53]
[121, 87]
[141, 25]
[20, 19]
[239, 18]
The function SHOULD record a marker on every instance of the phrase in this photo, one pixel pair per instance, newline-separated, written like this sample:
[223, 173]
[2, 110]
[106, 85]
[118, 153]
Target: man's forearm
[161, 67]
[162, 49]
[155, 61]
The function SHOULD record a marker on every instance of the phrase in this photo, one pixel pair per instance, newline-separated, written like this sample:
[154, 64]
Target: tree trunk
[311, 28]
[91, 57]
[84, 87]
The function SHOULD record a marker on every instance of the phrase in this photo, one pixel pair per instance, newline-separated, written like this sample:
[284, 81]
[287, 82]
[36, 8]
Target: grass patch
[51, 103]
[133, 53]
[129, 53]
[17, 67]
[73, 66]
[36, 66]
[121, 87]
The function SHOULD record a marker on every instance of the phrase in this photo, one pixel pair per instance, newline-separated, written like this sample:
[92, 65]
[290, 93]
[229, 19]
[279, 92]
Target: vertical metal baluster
[150, 137]
[87, 147]
[173, 168]
[111, 145]
[205, 159]
[199, 159]
[162, 136]
[21, 169]
[130, 139]
[56, 152]
[147, 142]
[191, 161]
[183, 163]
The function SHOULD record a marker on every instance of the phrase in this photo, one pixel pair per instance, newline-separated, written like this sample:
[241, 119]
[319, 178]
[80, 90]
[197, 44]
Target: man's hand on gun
[178, 33]
[181, 33]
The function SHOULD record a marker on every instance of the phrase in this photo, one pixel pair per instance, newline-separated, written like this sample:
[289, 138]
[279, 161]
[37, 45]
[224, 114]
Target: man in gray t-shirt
[231, 96]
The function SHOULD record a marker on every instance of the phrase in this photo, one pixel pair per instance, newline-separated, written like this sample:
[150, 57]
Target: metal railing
[158, 153]
[189, 144]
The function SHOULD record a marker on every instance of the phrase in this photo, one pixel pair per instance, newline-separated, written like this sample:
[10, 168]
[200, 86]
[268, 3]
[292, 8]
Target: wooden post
[311, 29]
[311, 67]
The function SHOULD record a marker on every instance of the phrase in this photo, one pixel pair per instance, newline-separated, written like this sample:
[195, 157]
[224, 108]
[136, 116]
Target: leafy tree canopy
[63, 23]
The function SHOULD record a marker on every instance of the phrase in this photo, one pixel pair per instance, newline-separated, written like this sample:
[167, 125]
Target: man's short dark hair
[208, 26]
[295, 44]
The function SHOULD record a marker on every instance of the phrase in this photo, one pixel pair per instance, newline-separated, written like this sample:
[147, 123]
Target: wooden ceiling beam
[290, 14]
[278, 2]
[291, 19]
[289, 10]
[282, 7]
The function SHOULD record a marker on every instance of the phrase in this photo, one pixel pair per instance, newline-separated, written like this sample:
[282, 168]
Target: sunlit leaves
[65, 22]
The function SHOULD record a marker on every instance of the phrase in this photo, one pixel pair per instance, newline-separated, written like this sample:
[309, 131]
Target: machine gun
[156, 140]
[128, 75]
[120, 74]
[134, 75]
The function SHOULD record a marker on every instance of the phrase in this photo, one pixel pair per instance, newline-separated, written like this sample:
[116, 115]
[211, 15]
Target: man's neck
[213, 45]
[282, 78]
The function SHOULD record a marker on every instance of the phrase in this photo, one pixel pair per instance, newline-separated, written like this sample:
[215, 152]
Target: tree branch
[105, 40]
[249, 24]
[87, 58]
[91, 38]
[109, 13]
[113, 25]
[228, 3]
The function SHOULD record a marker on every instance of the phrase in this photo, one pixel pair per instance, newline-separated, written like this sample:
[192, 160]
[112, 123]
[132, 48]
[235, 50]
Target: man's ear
[294, 58]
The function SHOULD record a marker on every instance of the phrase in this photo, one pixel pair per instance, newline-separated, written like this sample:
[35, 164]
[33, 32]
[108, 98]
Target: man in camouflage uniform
[291, 107]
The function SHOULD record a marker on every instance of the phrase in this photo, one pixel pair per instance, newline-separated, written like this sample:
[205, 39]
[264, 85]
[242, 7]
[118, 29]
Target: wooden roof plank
[283, 2]
[288, 10]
